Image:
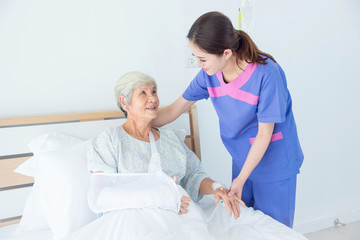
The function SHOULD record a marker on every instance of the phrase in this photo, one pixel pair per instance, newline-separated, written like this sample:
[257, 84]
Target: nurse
[249, 92]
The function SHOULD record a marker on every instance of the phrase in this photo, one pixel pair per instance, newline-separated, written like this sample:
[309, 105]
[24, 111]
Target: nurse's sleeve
[197, 89]
[273, 98]
[193, 176]
[101, 155]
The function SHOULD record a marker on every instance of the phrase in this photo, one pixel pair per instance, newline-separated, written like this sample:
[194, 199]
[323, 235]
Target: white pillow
[52, 141]
[33, 217]
[27, 168]
[45, 143]
[64, 182]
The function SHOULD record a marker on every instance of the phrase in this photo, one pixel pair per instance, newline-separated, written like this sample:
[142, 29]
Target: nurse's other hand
[236, 191]
[222, 194]
[184, 204]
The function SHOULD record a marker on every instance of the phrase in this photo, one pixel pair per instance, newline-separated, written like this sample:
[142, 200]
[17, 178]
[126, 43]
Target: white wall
[65, 56]
[317, 44]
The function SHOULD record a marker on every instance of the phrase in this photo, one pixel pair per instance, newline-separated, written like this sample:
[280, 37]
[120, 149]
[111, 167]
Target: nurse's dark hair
[213, 32]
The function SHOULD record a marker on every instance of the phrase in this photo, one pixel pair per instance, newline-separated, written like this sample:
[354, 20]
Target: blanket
[205, 220]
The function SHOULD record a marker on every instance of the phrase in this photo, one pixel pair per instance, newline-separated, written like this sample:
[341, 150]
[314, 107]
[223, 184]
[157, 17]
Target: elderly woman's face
[144, 102]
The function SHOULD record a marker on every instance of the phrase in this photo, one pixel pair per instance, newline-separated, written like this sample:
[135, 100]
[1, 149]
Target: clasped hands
[220, 194]
[231, 202]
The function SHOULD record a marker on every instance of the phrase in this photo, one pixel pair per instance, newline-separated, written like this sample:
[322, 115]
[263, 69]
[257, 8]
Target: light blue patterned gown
[115, 144]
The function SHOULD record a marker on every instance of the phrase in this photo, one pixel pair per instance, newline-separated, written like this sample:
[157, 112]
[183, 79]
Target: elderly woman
[128, 145]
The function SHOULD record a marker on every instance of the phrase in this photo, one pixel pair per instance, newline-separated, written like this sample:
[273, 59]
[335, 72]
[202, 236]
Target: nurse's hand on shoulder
[236, 191]
[222, 194]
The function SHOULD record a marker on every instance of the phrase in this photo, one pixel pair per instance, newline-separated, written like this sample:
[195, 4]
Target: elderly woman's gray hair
[126, 85]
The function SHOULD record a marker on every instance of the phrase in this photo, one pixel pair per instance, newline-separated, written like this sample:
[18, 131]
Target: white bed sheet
[154, 224]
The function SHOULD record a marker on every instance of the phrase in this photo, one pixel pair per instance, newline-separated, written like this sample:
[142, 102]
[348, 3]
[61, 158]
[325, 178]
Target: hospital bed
[50, 206]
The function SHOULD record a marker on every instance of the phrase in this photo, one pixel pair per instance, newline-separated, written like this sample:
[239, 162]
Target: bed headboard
[9, 160]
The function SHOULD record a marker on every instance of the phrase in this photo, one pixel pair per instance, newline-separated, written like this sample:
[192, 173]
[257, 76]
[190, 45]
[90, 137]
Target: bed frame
[10, 180]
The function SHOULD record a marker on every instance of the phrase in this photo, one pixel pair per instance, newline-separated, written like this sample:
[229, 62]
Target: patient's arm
[206, 186]
[221, 193]
[102, 153]
[110, 192]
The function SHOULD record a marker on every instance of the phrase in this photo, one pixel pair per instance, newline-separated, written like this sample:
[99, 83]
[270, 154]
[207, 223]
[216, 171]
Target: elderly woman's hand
[184, 201]
[184, 204]
[232, 206]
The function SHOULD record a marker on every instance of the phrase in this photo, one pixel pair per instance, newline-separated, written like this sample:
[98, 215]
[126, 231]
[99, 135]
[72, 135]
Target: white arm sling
[117, 191]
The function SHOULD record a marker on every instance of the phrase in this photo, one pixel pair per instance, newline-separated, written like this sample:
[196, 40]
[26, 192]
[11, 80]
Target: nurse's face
[211, 63]
[144, 102]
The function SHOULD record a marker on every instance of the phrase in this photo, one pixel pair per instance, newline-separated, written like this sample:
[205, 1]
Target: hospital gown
[115, 148]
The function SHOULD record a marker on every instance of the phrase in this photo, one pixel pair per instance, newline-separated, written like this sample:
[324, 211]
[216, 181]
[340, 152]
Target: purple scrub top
[258, 94]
